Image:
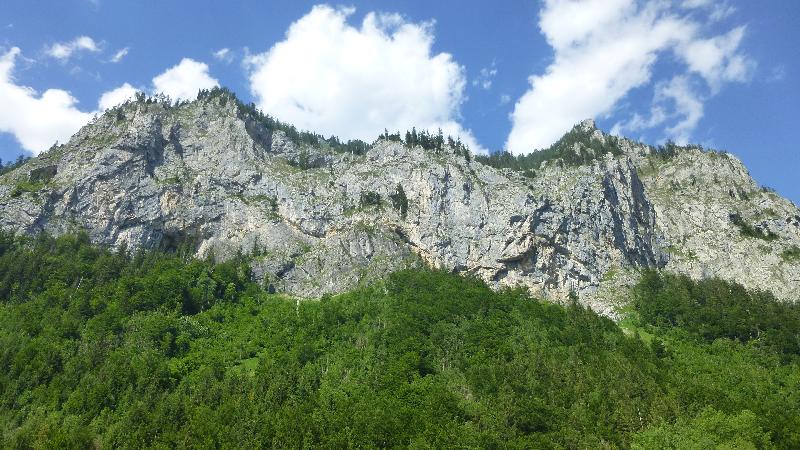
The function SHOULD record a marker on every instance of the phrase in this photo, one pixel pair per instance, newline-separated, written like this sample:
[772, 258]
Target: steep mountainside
[716, 221]
[318, 219]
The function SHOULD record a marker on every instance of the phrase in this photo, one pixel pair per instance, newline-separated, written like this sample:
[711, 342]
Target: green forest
[104, 348]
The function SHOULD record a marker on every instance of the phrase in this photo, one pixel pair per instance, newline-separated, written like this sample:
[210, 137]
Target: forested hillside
[106, 349]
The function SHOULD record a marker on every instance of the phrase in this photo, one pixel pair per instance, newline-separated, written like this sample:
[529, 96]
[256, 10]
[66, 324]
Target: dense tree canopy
[101, 348]
[712, 309]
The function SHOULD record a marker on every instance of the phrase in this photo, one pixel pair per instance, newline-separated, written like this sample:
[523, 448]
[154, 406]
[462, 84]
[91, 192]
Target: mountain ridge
[319, 216]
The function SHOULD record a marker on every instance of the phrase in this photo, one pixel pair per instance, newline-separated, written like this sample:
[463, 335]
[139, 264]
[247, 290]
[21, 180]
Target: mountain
[321, 217]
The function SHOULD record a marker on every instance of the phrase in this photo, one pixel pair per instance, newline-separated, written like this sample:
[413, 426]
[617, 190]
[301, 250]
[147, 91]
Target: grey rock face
[704, 201]
[318, 221]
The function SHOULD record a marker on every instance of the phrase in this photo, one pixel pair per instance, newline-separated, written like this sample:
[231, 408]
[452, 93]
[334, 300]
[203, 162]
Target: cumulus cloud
[116, 97]
[36, 120]
[354, 81]
[64, 50]
[182, 81]
[119, 55]
[603, 49]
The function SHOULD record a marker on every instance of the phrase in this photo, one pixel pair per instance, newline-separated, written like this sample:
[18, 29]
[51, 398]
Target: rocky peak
[321, 216]
[587, 125]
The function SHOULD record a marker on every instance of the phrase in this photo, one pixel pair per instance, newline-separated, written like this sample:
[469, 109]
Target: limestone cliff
[319, 220]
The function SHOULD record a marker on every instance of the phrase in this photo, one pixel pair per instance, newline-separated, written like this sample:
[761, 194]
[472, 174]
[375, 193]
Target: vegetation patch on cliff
[750, 231]
[24, 186]
[575, 148]
[791, 254]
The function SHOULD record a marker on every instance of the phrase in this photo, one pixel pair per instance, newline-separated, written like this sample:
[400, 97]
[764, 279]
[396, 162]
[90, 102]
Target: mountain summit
[319, 216]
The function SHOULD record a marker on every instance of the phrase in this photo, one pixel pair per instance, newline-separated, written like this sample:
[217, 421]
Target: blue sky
[512, 74]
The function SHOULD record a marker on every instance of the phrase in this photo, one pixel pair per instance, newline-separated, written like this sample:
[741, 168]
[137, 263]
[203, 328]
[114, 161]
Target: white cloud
[716, 59]
[116, 97]
[606, 48]
[485, 77]
[718, 9]
[119, 55]
[64, 50]
[675, 101]
[224, 54]
[721, 12]
[696, 3]
[569, 22]
[688, 106]
[505, 99]
[37, 121]
[182, 81]
[335, 78]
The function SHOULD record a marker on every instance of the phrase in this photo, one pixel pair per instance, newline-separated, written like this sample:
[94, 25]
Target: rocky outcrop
[316, 220]
[716, 221]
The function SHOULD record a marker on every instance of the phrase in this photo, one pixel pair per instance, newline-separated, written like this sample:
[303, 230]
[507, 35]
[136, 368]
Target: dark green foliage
[505, 160]
[670, 149]
[100, 348]
[750, 231]
[369, 198]
[390, 137]
[427, 140]
[272, 201]
[352, 146]
[710, 429]
[25, 186]
[714, 309]
[565, 150]
[400, 201]
[42, 174]
[11, 166]
[791, 254]
[303, 160]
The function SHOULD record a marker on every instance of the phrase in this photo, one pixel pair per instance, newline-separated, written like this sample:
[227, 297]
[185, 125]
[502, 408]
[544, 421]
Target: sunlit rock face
[315, 219]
